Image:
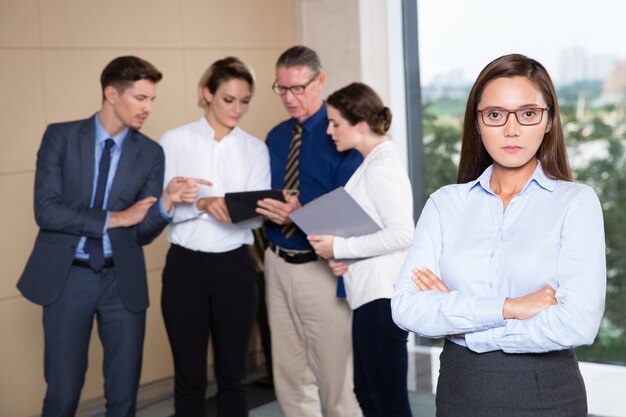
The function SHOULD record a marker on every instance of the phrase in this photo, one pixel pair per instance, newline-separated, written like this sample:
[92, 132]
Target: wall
[359, 40]
[51, 55]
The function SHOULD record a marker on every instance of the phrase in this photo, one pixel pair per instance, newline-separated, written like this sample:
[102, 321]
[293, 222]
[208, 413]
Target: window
[573, 40]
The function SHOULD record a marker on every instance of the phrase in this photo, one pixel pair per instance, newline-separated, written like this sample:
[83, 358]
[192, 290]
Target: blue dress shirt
[116, 153]
[551, 233]
[322, 168]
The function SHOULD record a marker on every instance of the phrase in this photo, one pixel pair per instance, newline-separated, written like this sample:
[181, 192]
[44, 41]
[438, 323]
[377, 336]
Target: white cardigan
[381, 187]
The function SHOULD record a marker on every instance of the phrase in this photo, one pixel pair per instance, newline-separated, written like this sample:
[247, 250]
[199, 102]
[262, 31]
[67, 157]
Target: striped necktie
[292, 172]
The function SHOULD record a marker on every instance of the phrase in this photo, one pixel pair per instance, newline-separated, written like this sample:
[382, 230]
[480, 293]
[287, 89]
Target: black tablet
[242, 206]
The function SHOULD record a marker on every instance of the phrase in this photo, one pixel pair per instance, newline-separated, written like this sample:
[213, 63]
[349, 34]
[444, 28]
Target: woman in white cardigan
[358, 119]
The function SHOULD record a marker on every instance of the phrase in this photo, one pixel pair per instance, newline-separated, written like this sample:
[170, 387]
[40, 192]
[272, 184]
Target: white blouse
[551, 233]
[238, 162]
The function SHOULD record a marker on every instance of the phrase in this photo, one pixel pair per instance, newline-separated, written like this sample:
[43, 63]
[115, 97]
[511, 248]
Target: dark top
[322, 168]
[63, 192]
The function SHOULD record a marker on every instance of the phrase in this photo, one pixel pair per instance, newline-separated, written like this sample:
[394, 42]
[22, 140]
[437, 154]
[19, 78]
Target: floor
[604, 389]
[263, 404]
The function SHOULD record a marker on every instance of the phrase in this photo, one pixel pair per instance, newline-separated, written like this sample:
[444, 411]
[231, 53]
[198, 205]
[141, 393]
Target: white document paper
[335, 213]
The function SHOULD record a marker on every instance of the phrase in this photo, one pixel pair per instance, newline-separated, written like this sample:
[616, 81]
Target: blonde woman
[209, 282]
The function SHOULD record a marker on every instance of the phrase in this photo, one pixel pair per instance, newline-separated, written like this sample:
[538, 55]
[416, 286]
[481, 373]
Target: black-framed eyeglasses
[526, 116]
[281, 90]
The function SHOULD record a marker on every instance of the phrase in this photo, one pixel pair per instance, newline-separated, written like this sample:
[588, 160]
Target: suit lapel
[124, 168]
[87, 145]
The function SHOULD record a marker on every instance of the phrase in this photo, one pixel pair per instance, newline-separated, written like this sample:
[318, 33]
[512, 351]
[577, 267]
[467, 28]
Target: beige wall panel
[157, 356]
[155, 252]
[339, 48]
[22, 354]
[168, 109]
[18, 230]
[21, 109]
[265, 110]
[21, 363]
[237, 23]
[72, 85]
[19, 24]
[111, 24]
[373, 49]
[196, 62]
[22, 385]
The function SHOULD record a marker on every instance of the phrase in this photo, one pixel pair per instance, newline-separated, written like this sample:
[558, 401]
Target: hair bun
[385, 120]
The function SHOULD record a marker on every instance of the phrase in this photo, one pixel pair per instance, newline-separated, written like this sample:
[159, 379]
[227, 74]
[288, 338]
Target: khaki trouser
[311, 340]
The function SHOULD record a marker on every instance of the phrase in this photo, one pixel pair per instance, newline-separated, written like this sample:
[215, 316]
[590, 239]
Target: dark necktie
[93, 246]
[292, 172]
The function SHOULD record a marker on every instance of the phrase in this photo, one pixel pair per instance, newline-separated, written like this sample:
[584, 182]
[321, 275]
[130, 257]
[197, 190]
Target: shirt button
[491, 254]
[491, 285]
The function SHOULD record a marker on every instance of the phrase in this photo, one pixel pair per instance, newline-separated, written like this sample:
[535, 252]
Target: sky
[471, 33]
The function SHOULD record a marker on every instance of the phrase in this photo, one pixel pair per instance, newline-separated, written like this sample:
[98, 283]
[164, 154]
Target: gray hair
[300, 56]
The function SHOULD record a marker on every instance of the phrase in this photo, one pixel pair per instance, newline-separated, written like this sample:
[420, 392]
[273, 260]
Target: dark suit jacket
[63, 188]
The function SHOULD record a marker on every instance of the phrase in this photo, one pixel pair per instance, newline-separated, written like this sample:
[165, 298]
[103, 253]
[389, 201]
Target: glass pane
[572, 39]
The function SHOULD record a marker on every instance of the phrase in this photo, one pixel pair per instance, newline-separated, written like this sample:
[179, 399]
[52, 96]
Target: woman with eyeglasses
[359, 120]
[509, 264]
[209, 281]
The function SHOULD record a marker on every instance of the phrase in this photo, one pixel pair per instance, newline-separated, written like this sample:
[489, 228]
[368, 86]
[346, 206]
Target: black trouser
[209, 294]
[497, 384]
[380, 361]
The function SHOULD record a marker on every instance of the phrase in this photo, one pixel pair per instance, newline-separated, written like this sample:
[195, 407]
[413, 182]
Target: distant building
[450, 78]
[600, 66]
[574, 65]
[614, 86]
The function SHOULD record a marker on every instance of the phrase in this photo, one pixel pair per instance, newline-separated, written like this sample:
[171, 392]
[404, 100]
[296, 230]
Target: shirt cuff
[338, 248]
[481, 342]
[488, 312]
[106, 223]
[166, 216]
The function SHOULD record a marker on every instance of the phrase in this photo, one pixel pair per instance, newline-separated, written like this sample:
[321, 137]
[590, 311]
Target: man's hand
[181, 190]
[132, 215]
[277, 211]
[425, 280]
[338, 268]
[322, 244]
[525, 307]
[216, 207]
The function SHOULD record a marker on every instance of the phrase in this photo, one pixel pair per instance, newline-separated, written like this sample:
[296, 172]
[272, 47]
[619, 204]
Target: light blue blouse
[551, 233]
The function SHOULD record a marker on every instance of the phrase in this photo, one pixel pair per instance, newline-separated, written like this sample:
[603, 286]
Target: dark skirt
[498, 384]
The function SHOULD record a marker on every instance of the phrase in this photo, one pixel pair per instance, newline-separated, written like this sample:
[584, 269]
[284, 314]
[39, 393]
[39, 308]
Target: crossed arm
[546, 319]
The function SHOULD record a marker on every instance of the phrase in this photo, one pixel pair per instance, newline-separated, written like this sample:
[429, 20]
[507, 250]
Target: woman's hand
[216, 207]
[322, 244]
[338, 268]
[525, 307]
[425, 280]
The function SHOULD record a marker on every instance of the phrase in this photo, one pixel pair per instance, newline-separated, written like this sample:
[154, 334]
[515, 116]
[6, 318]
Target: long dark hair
[552, 152]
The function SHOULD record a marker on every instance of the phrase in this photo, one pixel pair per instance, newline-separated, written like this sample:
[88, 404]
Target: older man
[310, 325]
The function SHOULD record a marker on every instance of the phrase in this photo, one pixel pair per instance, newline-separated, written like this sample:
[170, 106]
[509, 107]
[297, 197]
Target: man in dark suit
[96, 205]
